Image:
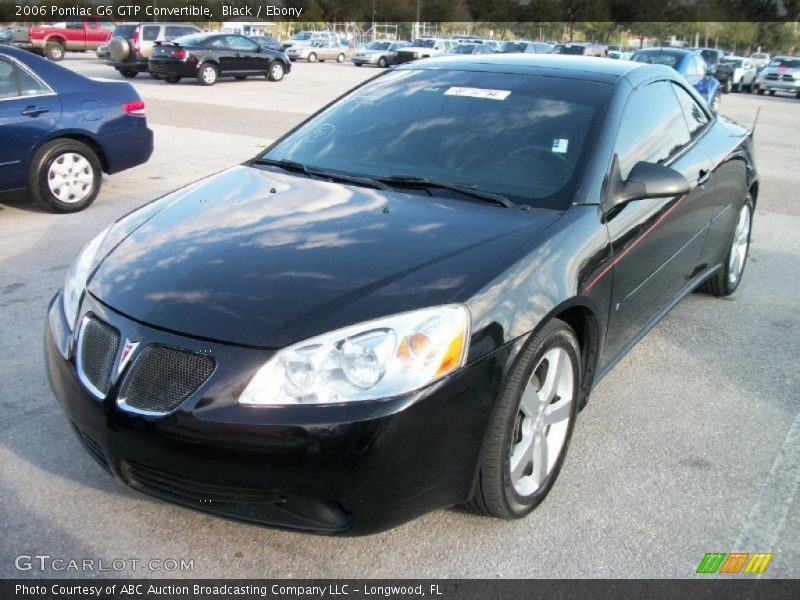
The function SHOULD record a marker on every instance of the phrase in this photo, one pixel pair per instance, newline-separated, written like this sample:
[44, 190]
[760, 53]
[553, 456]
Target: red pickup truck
[75, 36]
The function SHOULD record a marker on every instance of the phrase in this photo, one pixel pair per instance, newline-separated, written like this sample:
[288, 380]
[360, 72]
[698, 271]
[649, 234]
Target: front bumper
[354, 469]
[779, 85]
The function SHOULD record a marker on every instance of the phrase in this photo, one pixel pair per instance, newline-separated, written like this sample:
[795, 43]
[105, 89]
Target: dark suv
[722, 71]
[132, 44]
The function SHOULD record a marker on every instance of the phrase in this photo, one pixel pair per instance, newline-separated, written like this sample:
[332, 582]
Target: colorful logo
[734, 563]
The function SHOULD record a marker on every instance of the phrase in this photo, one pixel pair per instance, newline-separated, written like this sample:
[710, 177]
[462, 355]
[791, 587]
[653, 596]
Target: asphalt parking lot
[691, 445]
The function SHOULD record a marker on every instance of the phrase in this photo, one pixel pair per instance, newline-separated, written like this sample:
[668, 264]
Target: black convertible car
[208, 56]
[403, 303]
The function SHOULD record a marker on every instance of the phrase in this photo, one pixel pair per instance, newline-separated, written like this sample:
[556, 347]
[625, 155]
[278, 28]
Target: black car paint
[229, 61]
[369, 466]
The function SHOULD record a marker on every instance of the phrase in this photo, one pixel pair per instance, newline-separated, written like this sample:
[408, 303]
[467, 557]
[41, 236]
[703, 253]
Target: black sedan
[208, 56]
[403, 303]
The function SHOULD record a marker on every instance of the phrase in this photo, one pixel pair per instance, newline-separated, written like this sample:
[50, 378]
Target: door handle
[703, 176]
[34, 111]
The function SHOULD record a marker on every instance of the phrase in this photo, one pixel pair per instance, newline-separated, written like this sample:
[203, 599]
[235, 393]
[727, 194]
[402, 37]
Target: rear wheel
[737, 87]
[726, 87]
[207, 74]
[530, 433]
[761, 92]
[65, 176]
[772, 92]
[312, 57]
[54, 51]
[382, 62]
[276, 71]
[340, 58]
[725, 281]
[128, 73]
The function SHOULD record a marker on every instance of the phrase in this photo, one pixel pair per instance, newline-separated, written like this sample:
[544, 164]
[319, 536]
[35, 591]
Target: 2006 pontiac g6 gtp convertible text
[404, 302]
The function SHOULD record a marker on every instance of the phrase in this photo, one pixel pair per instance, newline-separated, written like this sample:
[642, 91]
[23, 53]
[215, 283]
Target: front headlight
[378, 359]
[79, 272]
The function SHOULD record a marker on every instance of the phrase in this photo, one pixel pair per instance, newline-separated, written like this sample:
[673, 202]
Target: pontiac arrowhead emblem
[125, 356]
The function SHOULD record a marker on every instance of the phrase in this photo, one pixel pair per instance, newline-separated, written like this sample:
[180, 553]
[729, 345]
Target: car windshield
[666, 58]
[124, 31]
[378, 46]
[789, 63]
[508, 47]
[759, 55]
[733, 61]
[525, 137]
[465, 48]
[193, 39]
[423, 43]
[710, 56]
[302, 36]
[568, 49]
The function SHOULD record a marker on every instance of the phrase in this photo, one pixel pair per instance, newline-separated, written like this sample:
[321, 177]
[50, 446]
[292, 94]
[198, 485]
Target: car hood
[263, 258]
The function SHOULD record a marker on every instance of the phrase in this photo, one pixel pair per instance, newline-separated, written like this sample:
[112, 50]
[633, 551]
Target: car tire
[128, 73]
[761, 91]
[172, 79]
[312, 57]
[798, 95]
[54, 51]
[155, 76]
[772, 92]
[340, 58]
[276, 71]
[65, 176]
[727, 86]
[504, 487]
[207, 74]
[737, 87]
[359, 64]
[725, 281]
[382, 62]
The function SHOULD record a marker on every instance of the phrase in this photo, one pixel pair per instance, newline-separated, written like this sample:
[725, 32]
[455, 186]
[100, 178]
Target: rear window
[668, 59]
[124, 31]
[522, 136]
[195, 39]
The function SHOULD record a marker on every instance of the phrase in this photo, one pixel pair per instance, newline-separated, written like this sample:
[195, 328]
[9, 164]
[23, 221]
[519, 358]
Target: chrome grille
[162, 378]
[97, 349]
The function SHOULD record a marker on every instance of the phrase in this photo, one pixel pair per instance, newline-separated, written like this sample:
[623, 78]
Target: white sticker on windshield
[478, 93]
[560, 145]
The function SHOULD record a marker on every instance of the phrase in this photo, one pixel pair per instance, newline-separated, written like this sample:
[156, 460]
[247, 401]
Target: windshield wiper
[461, 188]
[296, 167]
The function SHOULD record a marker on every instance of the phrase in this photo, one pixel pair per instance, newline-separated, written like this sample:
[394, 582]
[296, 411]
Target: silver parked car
[321, 46]
[380, 53]
[782, 74]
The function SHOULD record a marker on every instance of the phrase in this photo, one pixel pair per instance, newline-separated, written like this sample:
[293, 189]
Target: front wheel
[276, 71]
[382, 62]
[208, 74]
[340, 58]
[529, 435]
[772, 92]
[65, 176]
[737, 87]
[761, 91]
[725, 281]
[726, 87]
[128, 73]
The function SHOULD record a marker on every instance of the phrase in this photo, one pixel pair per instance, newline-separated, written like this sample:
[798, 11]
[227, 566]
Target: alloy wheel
[70, 178]
[542, 423]
[209, 75]
[741, 242]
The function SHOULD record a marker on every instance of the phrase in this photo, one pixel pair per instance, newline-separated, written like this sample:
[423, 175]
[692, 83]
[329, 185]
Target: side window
[16, 82]
[173, 31]
[219, 42]
[653, 127]
[692, 69]
[74, 25]
[237, 42]
[150, 33]
[92, 25]
[701, 66]
[696, 117]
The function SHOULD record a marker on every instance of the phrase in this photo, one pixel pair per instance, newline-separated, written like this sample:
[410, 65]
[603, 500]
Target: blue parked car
[688, 63]
[59, 131]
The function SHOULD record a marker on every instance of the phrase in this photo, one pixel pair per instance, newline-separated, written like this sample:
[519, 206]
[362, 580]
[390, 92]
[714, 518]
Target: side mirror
[646, 180]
